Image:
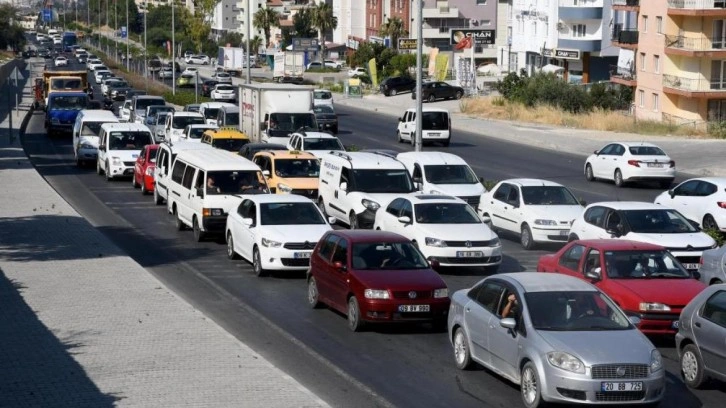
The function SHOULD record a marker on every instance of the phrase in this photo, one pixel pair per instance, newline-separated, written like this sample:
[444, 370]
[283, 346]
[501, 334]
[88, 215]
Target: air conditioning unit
[561, 26]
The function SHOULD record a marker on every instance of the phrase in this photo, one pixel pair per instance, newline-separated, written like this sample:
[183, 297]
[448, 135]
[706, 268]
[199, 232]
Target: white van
[443, 173]
[436, 124]
[120, 144]
[210, 110]
[176, 122]
[164, 160]
[86, 131]
[205, 185]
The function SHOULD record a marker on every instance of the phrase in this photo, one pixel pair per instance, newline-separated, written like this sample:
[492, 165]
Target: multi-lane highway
[399, 366]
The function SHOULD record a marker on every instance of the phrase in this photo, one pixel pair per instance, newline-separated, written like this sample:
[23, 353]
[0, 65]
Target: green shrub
[717, 129]
[489, 184]
[184, 98]
[717, 235]
[322, 70]
[499, 101]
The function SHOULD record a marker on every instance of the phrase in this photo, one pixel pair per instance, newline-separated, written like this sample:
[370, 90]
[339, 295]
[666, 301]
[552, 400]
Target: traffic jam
[261, 170]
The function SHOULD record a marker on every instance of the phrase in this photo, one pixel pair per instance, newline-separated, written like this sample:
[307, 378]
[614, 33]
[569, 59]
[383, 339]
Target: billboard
[463, 38]
[305, 44]
[407, 43]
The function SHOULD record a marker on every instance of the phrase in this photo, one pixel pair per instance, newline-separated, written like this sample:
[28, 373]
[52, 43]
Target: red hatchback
[144, 169]
[376, 276]
[645, 280]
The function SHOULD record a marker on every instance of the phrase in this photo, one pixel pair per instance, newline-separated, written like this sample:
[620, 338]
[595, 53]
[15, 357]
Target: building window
[644, 28]
[716, 110]
[656, 64]
[578, 30]
[485, 22]
[534, 28]
[659, 24]
[655, 102]
[642, 61]
[641, 98]
[481, 2]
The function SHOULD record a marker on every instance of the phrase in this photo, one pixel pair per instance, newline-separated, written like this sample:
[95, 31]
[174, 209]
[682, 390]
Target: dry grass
[497, 108]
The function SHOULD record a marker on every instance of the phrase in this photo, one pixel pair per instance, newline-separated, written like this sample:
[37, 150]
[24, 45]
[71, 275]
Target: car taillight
[672, 163]
[700, 261]
[721, 204]
[635, 163]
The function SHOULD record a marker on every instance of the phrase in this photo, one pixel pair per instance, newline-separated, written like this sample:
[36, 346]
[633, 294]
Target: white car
[119, 147]
[333, 64]
[97, 66]
[60, 61]
[317, 143]
[222, 77]
[275, 231]
[193, 133]
[197, 59]
[223, 92]
[537, 210]
[176, 122]
[101, 73]
[190, 70]
[700, 199]
[444, 228]
[166, 72]
[644, 222]
[355, 72]
[631, 162]
[322, 97]
[105, 82]
[124, 111]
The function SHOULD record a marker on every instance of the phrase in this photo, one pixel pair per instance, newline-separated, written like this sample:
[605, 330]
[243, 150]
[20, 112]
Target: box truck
[231, 60]
[289, 67]
[271, 112]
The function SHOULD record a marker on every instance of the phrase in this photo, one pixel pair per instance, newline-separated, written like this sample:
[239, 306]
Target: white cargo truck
[271, 112]
[231, 60]
[289, 67]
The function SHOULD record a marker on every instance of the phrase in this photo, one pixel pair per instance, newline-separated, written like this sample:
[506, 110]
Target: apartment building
[572, 37]
[351, 16]
[224, 17]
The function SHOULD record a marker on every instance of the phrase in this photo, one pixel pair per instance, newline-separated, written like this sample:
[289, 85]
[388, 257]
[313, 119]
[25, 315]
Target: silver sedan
[713, 266]
[558, 337]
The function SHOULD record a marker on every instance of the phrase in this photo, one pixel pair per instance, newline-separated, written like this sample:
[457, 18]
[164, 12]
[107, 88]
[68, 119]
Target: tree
[231, 38]
[302, 26]
[324, 20]
[264, 19]
[394, 29]
[13, 34]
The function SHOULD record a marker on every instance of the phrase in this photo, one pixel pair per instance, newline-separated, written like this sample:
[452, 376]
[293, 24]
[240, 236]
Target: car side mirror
[266, 173]
[416, 180]
[339, 266]
[583, 203]
[263, 126]
[400, 119]
[481, 180]
[671, 193]
[508, 323]
[594, 274]
[596, 152]
[332, 220]
[102, 147]
[200, 191]
[404, 220]
[343, 186]
[247, 221]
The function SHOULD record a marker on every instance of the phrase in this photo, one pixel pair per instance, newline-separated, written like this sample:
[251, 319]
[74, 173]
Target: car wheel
[108, 173]
[458, 95]
[321, 206]
[230, 247]
[354, 321]
[432, 98]
[716, 282]
[98, 168]
[525, 237]
[199, 235]
[462, 356]
[134, 184]
[257, 263]
[589, 175]
[157, 198]
[353, 221]
[618, 178]
[392, 92]
[692, 367]
[313, 295]
[530, 386]
[178, 222]
[572, 237]
[144, 191]
[400, 139]
[709, 223]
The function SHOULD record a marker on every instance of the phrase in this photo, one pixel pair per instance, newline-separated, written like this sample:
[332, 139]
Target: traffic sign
[124, 33]
[47, 15]
[305, 44]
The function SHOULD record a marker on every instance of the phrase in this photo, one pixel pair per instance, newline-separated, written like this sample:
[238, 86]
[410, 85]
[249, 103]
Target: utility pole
[146, 61]
[419, 76]
[127, 34]
[247, 36]
[173, 50]
[115, 34]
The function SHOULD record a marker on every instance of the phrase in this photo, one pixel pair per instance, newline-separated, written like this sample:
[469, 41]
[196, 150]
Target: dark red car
[376, 276]
[144, 169]
[645, 280]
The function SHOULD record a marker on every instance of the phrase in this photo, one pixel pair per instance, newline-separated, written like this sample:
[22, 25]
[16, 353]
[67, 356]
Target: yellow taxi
[230, 139]
[290, 172]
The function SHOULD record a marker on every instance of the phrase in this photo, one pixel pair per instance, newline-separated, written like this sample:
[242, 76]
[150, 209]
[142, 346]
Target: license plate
[621, 386]
[655, 165]
[675, 324]
[692, 266]
[414, 308]
[434, 134]
[302, 255]
[564, 232]
[469, 254]
[134, 155]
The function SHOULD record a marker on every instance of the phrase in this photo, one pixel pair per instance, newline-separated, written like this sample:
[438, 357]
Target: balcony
[697, 7]
[625, 38]
[623, 76]
[695, 46]
[694, 87]
[626, 5]
[580, 10]
[440, 11]
[436, 32]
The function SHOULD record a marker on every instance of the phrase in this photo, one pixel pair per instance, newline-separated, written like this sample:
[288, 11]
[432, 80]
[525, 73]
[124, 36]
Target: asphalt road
[385, 366]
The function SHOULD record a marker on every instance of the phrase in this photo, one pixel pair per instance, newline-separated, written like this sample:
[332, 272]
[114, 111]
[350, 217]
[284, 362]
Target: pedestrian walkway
[83, 325]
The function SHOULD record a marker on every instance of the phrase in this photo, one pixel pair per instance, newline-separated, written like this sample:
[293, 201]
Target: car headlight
[441, 293]
[270, 243]
[376, 294]
[370, 204]
[495, 242]
[653, 307]
[565, 361]
[435, 242]
[284, 188]
[545, 222]
[116, 161]
[656, 361]
[87, 146]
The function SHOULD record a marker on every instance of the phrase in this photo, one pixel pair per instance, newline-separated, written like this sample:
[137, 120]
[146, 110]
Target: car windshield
[224, 88]
[435, 121]
[450, 174]
[129, 140]
[646, 151]
[387, 255]
[574, 311]
[322, 95]
[297, 168]
[290, 214]
[314, 143]
[282, 124]
[643, 265]
[160, 109]
[118, 84]
[445, 213]
[91, 128]
[231, 119]
[323, 109]
[197, 132]
[658, 221]
[211, 113]
[142, 104]
[381, 181]
[153, 154]
[159, 119]
[236, 182]
[66, 83]
[180, 122]
[231, 145]
[69, 102]
[548, 195]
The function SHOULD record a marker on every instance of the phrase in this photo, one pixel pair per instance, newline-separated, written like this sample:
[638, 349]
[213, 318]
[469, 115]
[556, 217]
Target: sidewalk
[83, 325]
[700, 157]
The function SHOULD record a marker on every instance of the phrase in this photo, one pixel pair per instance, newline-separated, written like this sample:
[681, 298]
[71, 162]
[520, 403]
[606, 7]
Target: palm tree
[255, 43]
[393, 28]
[324, 21]
[264, 19]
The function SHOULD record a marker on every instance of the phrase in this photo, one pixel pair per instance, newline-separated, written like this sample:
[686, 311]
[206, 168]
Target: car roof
[619, 245]
[148, 97]
[226, 133]
[187, 145]
[97, 114]
[202, 125]
[721, 181]
[429, 109]
[371, 236]
[280, 198]
[433, 199]
[230, 108]
[530, 182]
[216, 159]
[629, 205]
[546, 282]
[431, 157]
[629, 144]
[187, 114]
[313, 134]
[286, 154]
[136, 127]
[364, 160]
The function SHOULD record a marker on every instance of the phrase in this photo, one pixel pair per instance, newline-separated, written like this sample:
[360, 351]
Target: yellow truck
[67, 81]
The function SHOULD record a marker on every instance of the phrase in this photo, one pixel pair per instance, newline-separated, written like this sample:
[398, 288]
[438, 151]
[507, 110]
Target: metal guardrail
[626, 36]
[695, 43]
[629, 74]
[631, 3]
[693, 84]
[696, 4]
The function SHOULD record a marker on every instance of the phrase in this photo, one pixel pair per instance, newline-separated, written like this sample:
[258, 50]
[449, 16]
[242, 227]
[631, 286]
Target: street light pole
[247, 36]
[419, 76]
[115, 34]
[127, 34]
[173, 50]
[146, 61]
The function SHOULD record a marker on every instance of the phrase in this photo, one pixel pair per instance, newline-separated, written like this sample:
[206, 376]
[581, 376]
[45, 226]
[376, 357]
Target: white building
[224, 17]
[351, 20]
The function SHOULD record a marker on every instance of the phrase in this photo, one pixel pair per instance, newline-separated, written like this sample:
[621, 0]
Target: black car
[326, 118]
[208, 87]
[431, 91]
[395, 85]
[249, 150]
